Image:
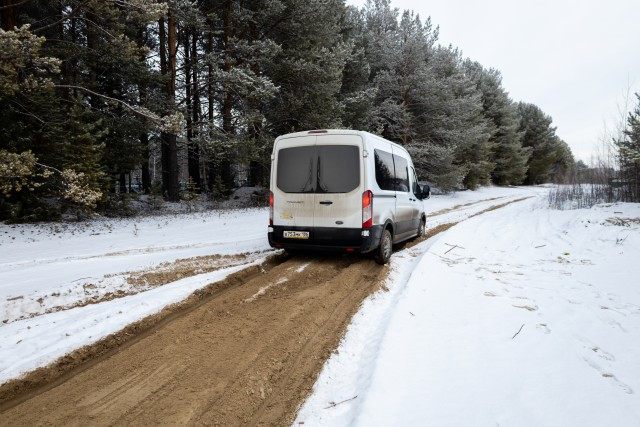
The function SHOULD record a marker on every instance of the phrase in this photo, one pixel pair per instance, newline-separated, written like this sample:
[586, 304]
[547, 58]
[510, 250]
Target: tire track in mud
[246, 350]
[46, 378]
[462, 206]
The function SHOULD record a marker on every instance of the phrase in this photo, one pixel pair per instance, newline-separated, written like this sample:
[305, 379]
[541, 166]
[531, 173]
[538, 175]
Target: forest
[100, 98]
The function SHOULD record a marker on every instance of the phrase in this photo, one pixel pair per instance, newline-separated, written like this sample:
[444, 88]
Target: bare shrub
[583, 188]
[580, 196]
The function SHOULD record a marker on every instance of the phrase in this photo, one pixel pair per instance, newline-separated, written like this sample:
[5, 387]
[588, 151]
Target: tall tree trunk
[10, 14]
[227, 103]
[406, 125]
[144, 136]
[93, 45]
[173, 50]
[257, 162]
[164, 152]
[210, 167]
[170, 184]
[122, 183]
[194, 152]
[173, 186]
[187, 85]
[69, 69]
[146, 175]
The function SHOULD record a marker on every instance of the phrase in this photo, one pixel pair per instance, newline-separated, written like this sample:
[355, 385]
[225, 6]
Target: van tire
[422, 227]
[383, 253]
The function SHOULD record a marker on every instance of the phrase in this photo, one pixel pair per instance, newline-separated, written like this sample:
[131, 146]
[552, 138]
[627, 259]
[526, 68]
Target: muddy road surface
[248, 354]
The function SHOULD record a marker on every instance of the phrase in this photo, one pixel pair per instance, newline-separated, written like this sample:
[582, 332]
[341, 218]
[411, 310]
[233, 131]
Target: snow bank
[521, 316]
[35, 342]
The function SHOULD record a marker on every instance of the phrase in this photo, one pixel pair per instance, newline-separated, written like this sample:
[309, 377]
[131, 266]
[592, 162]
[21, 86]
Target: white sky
[574, 59]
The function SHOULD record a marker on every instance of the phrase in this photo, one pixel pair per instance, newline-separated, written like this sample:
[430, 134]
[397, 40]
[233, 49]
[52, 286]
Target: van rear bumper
[327, 238]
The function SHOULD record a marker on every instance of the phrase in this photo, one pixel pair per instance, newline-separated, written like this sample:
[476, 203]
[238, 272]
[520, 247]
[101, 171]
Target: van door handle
[326, 202]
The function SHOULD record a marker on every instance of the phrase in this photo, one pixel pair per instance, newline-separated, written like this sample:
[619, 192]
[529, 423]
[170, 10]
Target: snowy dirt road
[247, 352]
[244, 350]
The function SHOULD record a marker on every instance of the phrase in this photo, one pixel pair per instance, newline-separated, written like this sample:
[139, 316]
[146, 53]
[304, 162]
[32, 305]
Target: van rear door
[340, 178]
[294, 189]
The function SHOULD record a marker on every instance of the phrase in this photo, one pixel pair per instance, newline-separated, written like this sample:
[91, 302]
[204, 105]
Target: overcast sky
[574, 59]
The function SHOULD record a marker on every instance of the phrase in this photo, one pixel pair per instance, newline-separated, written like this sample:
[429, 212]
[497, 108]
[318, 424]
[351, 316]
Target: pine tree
[629, 156]
[95, 89]
[309, 67]
[550, 156]
[453, 118]
[357, 93]
[507, 154]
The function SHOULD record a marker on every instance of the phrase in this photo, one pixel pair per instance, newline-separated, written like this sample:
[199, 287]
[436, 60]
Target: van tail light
[270, 207]
[367, 209]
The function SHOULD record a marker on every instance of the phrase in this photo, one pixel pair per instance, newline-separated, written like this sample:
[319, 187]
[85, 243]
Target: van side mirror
[425, 192]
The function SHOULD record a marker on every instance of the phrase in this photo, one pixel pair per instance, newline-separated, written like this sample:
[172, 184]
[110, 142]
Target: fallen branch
[455, 246]
[541, 246]
[452, 247]
[621, 241]
[334, 404]
[516, 334]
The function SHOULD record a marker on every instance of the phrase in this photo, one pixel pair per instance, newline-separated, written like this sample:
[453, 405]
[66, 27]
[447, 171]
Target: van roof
[337, 132]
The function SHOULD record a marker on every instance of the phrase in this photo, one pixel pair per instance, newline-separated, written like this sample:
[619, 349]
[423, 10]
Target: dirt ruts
[247, 355]
[244, 351]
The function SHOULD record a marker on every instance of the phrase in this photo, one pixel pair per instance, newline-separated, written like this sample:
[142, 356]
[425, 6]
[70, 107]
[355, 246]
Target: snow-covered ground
[52, 265]
[521, 316]
[63, 286]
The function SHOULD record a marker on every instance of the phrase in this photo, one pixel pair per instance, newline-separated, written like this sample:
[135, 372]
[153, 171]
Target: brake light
[367, 209]
[317, 131]
[270, 207]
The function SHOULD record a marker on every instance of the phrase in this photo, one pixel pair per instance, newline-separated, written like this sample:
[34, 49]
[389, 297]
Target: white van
[343, 189]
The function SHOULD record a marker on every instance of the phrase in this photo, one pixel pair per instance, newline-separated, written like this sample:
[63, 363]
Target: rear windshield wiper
[321, 188]
[309, 179]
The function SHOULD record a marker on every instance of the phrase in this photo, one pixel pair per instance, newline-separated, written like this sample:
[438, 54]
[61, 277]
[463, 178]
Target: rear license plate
[295, 234]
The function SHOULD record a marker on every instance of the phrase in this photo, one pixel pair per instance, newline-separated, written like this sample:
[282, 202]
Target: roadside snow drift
[520, 316]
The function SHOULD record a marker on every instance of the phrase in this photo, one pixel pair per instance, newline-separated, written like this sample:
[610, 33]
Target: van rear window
[296, 169]
[318, 169]
[338, 168]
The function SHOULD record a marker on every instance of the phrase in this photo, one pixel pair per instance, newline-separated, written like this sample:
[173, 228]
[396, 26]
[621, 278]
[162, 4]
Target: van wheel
[421, 227]
[383, 253]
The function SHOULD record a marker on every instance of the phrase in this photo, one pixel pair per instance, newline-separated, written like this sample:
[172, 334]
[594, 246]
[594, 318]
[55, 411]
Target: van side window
[385, 171]
[402, 174]
[414, 185]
